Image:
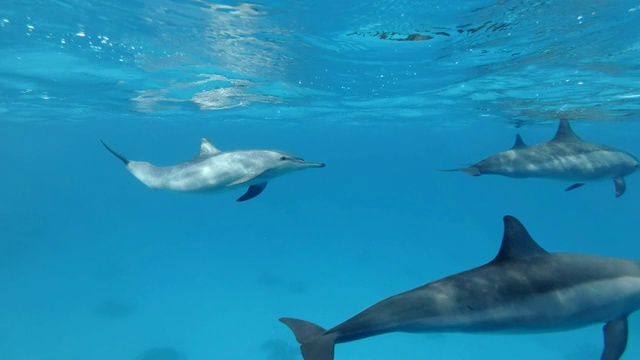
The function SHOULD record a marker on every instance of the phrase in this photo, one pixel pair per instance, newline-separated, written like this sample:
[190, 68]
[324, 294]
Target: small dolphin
[213, 170]
[565, 157]
[523, 289]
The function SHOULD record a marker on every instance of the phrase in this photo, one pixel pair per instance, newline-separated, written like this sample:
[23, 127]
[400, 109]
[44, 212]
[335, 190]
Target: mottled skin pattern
[566, 157]
[572, 161]
[523, 289]
[213, 170]
[547, 292]
[219, 171]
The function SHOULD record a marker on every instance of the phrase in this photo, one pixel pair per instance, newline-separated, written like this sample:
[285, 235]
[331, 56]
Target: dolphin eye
[283, 158]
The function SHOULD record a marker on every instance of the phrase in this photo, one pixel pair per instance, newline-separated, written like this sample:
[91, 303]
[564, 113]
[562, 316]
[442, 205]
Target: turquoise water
[95, 266]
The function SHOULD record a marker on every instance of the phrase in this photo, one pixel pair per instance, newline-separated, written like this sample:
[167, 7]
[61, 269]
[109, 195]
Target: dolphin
[523, 289]
[213, 170]
[565, 157]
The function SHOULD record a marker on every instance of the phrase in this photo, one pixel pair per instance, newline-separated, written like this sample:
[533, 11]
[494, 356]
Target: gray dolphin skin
[213, 170]
[566, 157]
[523, 289]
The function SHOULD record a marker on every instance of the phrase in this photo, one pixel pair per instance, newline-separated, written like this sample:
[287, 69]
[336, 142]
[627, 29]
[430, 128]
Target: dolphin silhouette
[565, 157]
[523, 289]
[213, 170]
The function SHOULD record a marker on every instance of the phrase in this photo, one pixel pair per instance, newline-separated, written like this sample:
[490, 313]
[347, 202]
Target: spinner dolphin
[523, 289]
[213, 170]
[565, 157]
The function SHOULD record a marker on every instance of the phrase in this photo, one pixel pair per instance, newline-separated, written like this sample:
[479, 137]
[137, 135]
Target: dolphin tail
[469, 170]
[315, 344]
[117, 154]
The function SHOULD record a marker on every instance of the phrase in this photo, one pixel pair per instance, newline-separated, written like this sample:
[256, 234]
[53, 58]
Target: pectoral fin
[574, 186]
[253, 191]
[616, 333]
[620, 185]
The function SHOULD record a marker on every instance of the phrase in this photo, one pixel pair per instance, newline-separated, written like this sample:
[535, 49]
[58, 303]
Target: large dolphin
[565, 157]
[523, 289]
[213, 170]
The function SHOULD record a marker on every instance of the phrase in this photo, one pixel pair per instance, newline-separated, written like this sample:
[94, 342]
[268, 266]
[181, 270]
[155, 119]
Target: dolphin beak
[314, 164]
[307, 164]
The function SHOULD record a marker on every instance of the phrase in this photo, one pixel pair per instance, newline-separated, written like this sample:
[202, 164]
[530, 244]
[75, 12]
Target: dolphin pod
[566, 157]
[213, 170]
[523, 289]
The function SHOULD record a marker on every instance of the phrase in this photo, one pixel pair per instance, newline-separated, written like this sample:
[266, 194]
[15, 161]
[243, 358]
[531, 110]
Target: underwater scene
[308, 180]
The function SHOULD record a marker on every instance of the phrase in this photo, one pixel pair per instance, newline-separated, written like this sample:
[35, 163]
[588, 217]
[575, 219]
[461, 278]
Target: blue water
[95, 266]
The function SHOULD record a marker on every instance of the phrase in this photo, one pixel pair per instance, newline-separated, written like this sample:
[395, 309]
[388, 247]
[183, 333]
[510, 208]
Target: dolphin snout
[308, 164]
[315, 164]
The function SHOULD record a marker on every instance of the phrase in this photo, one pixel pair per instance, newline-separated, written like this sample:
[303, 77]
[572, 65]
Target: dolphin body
[523, 289]
[565, 157]
[213, 170]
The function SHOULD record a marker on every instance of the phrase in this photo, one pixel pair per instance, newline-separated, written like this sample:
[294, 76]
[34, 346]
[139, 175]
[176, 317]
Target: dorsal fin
[564, 132]
[519, 143]
[207, 148]
[516, 242]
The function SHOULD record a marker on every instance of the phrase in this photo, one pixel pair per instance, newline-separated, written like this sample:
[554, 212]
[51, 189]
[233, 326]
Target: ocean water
[95, 266]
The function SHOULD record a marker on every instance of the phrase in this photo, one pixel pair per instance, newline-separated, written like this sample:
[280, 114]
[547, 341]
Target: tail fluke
[118, 155]
[470, 170]
[314, 343]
